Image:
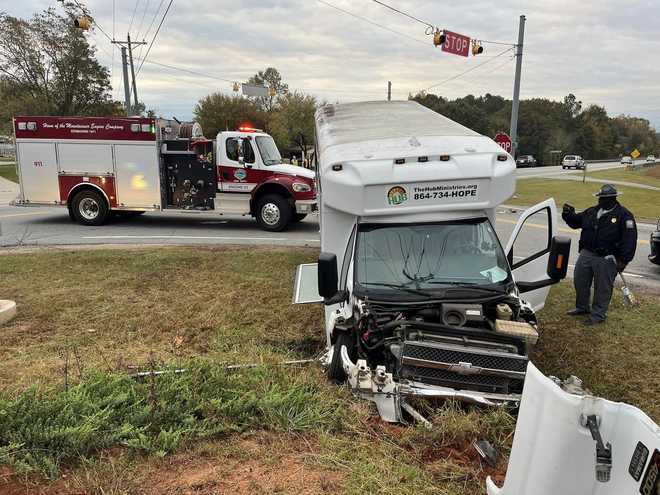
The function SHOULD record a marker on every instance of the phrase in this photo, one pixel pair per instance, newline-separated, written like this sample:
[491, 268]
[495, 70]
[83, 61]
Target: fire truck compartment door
[554, 453]
[38, 172]
[306, 284]
[85, 158]
[528, 248]
[137, 178]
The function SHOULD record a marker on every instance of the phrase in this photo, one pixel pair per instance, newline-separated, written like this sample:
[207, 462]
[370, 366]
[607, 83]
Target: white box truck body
[421, 298]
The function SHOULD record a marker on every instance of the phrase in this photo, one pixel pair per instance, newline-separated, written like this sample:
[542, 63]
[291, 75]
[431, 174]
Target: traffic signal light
[272, 91]
[83, 22]
[477, 48]
[236, 87]
[438, 37]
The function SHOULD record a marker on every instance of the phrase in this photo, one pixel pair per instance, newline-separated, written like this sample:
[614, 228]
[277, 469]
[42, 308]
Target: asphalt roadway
[23, 227]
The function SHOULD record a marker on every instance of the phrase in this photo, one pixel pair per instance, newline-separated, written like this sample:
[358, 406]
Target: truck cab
[421, 296]
[252, 176]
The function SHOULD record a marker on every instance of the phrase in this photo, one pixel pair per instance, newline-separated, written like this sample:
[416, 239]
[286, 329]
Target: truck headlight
[301, 187]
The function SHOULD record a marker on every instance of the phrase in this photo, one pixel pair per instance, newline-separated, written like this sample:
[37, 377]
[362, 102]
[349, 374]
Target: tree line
[47, 67]
[545, 125]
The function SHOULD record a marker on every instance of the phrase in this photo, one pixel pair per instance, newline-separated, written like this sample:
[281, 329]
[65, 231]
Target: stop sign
[504, 141]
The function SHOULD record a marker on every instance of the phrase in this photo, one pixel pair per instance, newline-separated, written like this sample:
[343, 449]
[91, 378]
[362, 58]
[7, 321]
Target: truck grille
[464, 368]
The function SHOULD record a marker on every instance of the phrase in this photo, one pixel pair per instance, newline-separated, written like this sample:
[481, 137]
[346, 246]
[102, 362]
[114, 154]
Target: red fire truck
[96, 167]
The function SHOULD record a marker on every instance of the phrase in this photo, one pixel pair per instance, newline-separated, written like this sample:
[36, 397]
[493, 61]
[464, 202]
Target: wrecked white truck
[421, 299]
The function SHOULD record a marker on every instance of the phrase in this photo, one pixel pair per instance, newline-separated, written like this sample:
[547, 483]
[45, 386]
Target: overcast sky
[605, 52]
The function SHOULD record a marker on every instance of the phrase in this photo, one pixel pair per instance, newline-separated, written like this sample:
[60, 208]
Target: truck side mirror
[560, 250]
[327, 275]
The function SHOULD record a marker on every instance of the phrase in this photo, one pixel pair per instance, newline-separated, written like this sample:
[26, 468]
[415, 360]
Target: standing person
[607, 244]
[294, 160]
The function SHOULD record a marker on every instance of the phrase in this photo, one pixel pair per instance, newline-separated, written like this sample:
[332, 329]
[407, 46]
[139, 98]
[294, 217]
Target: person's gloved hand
[567, 209]
[620, 265]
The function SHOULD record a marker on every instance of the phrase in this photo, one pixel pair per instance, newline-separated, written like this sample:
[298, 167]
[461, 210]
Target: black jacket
[614, 233]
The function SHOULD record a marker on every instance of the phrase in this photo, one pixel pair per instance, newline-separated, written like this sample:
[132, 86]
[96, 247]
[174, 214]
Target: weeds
[41, 430]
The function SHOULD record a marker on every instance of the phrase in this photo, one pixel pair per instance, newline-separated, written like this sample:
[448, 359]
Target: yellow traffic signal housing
[236, 87]
[272, 91]
[438, 37]
[83, 22]
[477, 48]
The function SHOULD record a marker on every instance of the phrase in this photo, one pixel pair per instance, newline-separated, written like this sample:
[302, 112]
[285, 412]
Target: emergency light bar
[249, 129]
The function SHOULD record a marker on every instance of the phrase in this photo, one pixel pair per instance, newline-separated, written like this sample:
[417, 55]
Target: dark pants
[600, 271]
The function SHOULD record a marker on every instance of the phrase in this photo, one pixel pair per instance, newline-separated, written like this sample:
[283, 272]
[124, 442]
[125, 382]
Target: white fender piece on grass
[555, 453]
[7, 310]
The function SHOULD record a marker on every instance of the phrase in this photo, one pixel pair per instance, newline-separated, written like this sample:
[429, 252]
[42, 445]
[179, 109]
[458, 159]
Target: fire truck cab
[97, 167]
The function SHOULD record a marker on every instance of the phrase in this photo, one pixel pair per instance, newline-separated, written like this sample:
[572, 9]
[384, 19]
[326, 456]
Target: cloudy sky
[605, 52]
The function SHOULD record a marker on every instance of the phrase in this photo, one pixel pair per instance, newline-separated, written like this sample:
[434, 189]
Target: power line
[153, 19]
[144, 12]
[364, 19]
[137, 2]
[155, 35]
[470, 69]
[403, 13]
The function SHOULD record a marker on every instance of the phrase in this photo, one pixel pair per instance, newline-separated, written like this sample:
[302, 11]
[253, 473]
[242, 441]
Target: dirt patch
[265, 463]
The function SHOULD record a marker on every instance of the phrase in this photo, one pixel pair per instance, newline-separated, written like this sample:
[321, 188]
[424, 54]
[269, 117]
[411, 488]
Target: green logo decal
[397, 195]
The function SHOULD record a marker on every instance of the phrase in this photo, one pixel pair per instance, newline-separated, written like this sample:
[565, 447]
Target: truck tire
[90, 208]
[273, 213]
[336, 370]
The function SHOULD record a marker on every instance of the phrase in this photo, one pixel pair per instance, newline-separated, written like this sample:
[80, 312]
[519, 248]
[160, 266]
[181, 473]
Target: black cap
[607, 191]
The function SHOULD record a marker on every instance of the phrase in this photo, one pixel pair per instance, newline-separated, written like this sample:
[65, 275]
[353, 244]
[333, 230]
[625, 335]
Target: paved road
[526, 173]
[50, 226]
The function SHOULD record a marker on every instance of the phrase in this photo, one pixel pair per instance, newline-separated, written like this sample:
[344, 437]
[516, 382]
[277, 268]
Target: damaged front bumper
[389, 396]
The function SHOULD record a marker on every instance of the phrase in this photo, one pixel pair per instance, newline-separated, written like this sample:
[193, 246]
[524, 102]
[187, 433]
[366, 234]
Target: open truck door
[536, 226]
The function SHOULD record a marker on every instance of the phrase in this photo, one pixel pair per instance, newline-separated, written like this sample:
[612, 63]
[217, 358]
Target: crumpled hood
[285, 168]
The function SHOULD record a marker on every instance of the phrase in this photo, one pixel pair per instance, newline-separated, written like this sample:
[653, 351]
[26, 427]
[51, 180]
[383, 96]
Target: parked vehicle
[526, 161]
[573, 161]
[95, 167]
[626, 161]
[420, 297]
[650, 159]
[654, 257]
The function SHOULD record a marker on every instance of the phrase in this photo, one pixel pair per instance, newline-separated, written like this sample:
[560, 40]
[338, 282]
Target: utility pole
[127, 88]
[516, 87]
[130, 57]
[124, 63]
[389, 90]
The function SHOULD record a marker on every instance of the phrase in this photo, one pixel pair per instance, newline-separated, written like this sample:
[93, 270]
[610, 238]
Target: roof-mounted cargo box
[390, 158]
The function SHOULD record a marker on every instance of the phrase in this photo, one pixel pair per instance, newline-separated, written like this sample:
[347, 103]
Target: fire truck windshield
[268, 149]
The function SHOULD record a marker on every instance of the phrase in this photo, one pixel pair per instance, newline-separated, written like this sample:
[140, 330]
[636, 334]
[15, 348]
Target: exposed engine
[466, 346]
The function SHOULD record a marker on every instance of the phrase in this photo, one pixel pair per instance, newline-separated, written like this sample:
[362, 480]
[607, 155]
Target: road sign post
[504, 141]
[457, 44]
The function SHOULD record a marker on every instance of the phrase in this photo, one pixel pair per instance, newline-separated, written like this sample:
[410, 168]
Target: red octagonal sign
[504, 141]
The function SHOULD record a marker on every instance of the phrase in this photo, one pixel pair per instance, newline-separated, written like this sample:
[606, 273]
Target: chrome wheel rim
[89, 208]
[270, 214]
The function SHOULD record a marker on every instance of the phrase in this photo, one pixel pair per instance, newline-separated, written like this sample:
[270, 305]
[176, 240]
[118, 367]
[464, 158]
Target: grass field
[644, 203]
[8, 171]
[88, 318]
[649, 176]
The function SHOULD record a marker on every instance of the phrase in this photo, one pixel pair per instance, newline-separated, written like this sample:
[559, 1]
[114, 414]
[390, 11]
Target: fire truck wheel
[273, 213]
[299, 217]
[336, 372]
[90, 208]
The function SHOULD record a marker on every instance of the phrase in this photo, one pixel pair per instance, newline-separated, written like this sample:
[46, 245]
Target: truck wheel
[273, 213]
[90, 208]
[299, 217]
[336, 370]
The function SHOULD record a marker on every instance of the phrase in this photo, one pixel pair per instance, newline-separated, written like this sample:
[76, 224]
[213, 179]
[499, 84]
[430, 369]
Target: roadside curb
[7, 310]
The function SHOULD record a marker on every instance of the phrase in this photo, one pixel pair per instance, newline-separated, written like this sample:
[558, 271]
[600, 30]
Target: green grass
[649, 176]
[87, 318]
[9, 172]
[644, 203]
